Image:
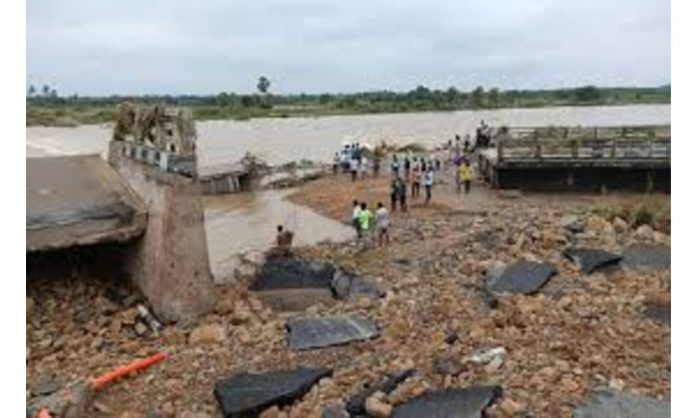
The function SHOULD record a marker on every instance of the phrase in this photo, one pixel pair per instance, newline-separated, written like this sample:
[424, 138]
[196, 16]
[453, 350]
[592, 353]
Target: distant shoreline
[50, 116]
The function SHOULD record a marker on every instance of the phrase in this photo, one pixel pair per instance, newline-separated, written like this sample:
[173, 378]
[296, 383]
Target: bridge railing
[554, 143]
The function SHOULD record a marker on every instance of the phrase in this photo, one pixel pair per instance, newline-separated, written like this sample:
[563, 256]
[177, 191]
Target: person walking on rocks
[354, 163]
[402, 194]
[365, 222]
[464, 177]
[407, 167]
[428, 183]
[394, 194]
[355, 218]
[395, 166]
[415, 182]
[382, 220]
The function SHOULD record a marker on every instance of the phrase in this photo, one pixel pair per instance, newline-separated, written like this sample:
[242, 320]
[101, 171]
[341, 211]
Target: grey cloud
[207, 46]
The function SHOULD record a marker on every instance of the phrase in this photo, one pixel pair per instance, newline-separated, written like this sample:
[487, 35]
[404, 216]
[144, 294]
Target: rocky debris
[644, 233]
[245, 394]
[44, 386]
[377, 406]
[510, 194]
[590, 260]
[447, 365]
[387, 385]
[510, 408]
[658, 312]
[525, 277]
[620, 225]
[352, 287]
[615, 404]
[488, 355]
[306, 333]
[450, 403]
[647, 256]
[208, 334]
[291, 272]
[71, 400]
[334, 411]
[572, 223]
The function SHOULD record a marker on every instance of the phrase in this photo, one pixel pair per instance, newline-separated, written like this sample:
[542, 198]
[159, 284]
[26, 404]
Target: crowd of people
[410, 173]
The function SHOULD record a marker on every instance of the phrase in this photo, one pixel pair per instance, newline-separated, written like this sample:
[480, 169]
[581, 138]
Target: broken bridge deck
[79, 200]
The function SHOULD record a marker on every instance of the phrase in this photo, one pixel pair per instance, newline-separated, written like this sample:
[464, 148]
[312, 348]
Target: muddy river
[246, 223]
[283, 140]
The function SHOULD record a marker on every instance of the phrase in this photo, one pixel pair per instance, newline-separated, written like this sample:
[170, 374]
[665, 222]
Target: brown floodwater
[246, 224]
[317, 138]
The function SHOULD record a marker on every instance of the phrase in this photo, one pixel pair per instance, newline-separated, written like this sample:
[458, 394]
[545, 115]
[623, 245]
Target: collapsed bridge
[579, 158]
[146, 196]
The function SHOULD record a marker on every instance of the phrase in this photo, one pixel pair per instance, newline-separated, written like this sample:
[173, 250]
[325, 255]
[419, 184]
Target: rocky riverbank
[438, 315]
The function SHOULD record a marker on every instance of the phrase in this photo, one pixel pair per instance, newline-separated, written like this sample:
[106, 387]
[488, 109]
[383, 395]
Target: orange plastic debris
[136, 366]
[43, 414]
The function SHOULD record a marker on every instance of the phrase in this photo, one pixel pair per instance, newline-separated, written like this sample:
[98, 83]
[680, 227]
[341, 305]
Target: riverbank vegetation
[49, 108]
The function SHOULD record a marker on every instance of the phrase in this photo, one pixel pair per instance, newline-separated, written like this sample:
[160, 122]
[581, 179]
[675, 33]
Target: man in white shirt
[354, 162]
[382, 221]
[428, 182]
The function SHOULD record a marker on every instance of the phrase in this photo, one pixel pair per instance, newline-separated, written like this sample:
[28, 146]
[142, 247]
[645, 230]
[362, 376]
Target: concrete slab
[614, 404]
[307, 333]
[449, 403]
[647, 257]
[589, 259]
[247, 395]
[523, 277]
[79, 200]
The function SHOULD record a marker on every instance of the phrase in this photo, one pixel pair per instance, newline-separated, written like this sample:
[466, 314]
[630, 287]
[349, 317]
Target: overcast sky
[206, 46]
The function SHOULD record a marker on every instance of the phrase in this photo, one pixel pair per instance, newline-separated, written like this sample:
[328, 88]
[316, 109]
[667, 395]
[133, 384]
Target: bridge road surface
[79, 200]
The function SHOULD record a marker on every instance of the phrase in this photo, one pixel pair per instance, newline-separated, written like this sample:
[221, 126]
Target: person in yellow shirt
[464, 174]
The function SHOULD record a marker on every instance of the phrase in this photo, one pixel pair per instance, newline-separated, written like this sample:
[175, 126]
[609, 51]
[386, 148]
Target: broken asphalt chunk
[525, 277]
[450, 403]
[647, 256]
[356, 404]
[247, 395]
[292, 272]
[614, 404]
[589, 259]
[307, 333]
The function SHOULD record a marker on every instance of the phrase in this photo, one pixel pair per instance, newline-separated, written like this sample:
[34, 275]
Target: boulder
[590, 260]
[524, 277]
[306, 333]
[245, 395]
[208, 334]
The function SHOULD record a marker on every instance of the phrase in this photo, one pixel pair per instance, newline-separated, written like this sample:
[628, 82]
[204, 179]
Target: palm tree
[263, 85]
[45, 90]
[31, 91]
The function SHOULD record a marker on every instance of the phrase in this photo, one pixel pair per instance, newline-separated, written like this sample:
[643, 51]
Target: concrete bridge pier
[169, 263]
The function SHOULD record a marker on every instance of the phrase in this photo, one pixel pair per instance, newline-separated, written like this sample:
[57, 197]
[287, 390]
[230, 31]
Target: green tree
[588, 94]
[452, 94]
[46, 90]
[494, 97]
[263, 84]
[477, 97]
[31, 91]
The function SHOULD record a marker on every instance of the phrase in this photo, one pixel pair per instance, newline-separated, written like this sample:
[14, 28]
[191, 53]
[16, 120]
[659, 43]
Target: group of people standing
[416, 172]
[368, 225]
[353, 159]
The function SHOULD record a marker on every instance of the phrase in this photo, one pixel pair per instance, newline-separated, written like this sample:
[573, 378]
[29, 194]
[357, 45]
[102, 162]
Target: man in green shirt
[365, 221]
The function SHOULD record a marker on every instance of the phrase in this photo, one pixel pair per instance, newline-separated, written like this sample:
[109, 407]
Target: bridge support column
[169, 263]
